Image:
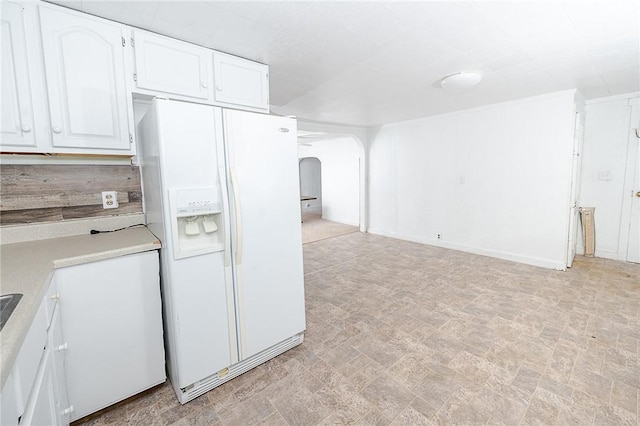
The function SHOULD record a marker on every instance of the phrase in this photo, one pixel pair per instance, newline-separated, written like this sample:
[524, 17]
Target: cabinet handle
[219, 88]
[55, 296]
[62, 347]
[67, 410]
[25, 128]
[56, 129]
[204, 85]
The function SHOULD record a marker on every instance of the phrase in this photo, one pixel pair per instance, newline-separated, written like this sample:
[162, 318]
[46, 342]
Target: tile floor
[403, 333]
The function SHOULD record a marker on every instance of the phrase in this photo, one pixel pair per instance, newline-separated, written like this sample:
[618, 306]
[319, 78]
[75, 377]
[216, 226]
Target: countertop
[27, 268]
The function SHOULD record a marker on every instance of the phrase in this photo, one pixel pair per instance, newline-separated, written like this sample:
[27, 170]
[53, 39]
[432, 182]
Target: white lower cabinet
[96, 340]
[58, 347]
[37, 377]
[9, 403]
[111, 318]
[41, 409]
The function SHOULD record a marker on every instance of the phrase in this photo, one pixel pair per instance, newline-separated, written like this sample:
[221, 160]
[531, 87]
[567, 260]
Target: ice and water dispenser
[197, 219]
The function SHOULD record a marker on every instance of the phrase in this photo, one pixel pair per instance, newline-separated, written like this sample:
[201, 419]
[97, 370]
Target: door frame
[574, 192]
[362, 169]
[630, 179]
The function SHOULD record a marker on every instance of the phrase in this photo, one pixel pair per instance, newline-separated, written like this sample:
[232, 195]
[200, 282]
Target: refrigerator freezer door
[183, 141]
[263, 164]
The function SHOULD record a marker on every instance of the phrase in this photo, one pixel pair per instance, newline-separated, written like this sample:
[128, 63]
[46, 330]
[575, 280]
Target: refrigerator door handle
[238, 215]
[227, 230]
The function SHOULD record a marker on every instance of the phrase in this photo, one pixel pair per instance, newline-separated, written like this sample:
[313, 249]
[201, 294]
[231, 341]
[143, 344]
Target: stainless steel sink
[8, 303]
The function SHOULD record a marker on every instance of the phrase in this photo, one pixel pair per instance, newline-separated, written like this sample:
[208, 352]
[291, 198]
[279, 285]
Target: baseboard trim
[543, 263]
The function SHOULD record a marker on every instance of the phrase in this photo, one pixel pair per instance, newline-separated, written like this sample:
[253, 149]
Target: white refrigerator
[221, 193]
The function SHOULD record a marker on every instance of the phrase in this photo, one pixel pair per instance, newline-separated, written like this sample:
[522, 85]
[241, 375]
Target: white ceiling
[369, 63]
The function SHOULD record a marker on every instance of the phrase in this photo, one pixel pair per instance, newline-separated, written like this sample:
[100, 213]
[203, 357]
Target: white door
[267, 249]
[17, 111]
[172, 66]
[633, 245]
[84, 68]
[576, 163]
[240, 81]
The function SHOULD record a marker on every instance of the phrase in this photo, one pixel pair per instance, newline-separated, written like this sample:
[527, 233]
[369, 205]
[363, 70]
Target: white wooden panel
[58, 350]
[263, 161]
[42, 406]
[240, 82]
[26, 366]
[16, 113]
[8, 403]
[110, 314]
[172, 66]
[84, 67]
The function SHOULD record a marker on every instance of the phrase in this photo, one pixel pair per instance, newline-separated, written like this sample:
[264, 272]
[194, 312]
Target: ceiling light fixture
[460, 81]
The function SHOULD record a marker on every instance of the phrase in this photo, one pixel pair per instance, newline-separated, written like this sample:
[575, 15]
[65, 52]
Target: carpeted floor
[314, 228]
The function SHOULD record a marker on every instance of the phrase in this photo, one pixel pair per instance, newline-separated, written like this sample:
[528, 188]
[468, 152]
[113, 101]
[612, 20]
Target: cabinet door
[58, 350]
[172, 66]
[110, 313]
[240, 82]
[17, 110]
[8, 403]
[84, 68]
[26, 366]
[42, 407]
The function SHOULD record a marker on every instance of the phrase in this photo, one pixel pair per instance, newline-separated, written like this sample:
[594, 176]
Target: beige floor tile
[388, 396]
[403, 333]
[526, 379]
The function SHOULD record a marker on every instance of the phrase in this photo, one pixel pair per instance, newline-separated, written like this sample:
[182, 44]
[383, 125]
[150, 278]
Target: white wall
[340, 171]
[606, 156]
[493, 180]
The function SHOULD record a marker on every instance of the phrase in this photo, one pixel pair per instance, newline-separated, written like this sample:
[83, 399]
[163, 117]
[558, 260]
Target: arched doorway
[311, 185]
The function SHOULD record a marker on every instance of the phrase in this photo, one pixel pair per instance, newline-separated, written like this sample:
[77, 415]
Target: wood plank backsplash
[44, 193]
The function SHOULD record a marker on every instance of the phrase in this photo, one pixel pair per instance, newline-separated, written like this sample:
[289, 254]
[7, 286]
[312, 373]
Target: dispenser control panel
[189, 202]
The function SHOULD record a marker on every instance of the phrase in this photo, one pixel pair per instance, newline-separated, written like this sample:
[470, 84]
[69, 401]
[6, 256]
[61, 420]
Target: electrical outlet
[109, 199]
[438, 236]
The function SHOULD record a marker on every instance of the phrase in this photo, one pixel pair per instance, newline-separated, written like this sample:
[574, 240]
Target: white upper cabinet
[172, 66]
[85, 75]
[240, 82]
[16, 113]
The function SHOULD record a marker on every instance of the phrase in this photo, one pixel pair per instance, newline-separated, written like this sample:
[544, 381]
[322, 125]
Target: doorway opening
[330, 185]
